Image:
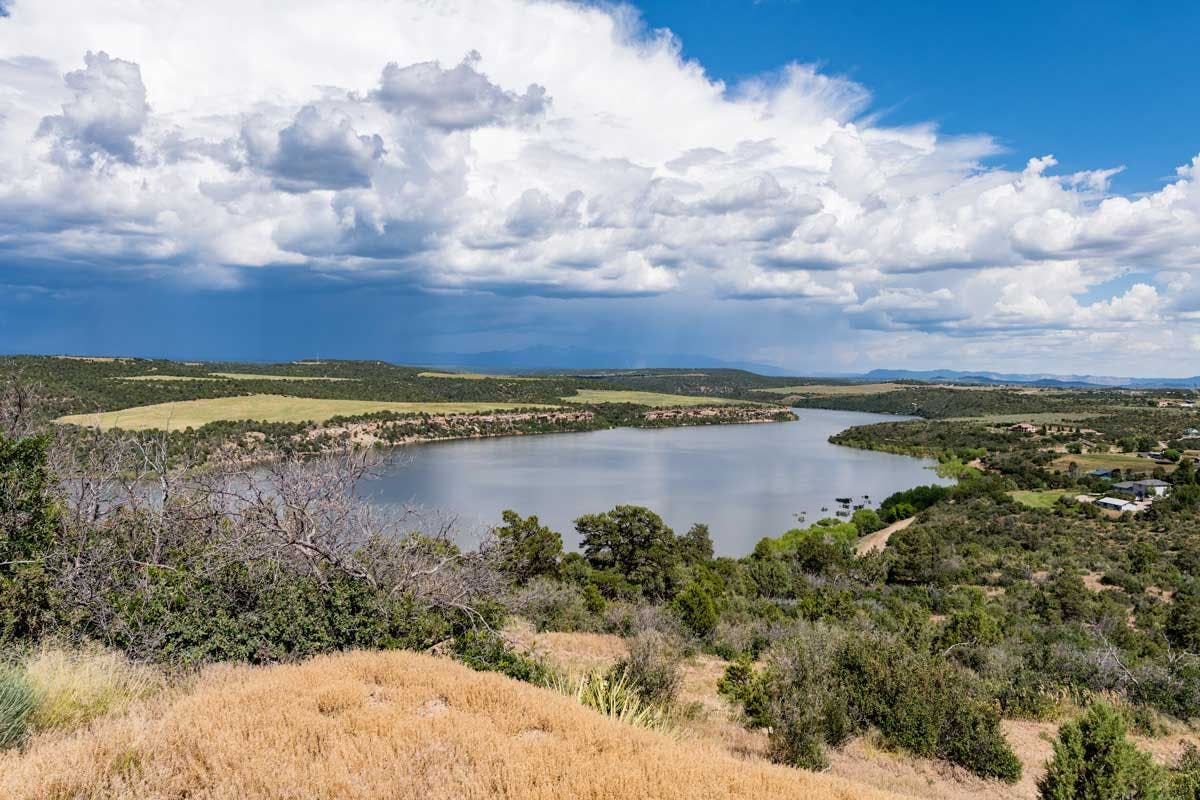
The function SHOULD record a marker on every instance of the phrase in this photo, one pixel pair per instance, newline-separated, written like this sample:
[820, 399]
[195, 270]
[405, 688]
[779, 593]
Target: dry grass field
[235, 376]
[1037, 418]
[656, 399]
[834, 390]
[475, 376]
[386, 726]
[264, 408]
[163, 378]
[257, 376]
[1038, 498]
[1122, 461]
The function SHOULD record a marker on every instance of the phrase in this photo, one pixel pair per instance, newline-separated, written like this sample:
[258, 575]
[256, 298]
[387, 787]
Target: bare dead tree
[136, 512]
[1107, 655]
[21, 405]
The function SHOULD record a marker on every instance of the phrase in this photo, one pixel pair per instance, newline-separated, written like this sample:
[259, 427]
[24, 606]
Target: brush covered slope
[394, 725]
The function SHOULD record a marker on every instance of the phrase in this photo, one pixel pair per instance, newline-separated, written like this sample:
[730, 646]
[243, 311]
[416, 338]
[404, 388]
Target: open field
[833, 390]
[265, 408]
[1037, 418]
[1038, 498]
[233, 376]
[657, 399]
[254, 376]
[157, 378]
[1122, 461]
[394, 725]
[475, 376]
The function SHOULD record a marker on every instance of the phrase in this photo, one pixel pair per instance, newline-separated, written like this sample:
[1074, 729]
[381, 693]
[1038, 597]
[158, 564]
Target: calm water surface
[745, 481]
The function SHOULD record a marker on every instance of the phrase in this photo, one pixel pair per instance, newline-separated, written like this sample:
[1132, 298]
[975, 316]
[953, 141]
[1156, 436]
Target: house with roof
[1102, 474]
[1145, 488]
[1023, 427]
[1116, 504]
[1153, 487]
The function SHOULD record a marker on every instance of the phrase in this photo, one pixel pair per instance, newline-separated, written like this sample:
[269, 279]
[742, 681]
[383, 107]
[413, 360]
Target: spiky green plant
[615, 696]
[17, 703]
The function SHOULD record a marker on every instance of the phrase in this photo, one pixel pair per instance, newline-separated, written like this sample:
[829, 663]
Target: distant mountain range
[551, 357]
[1031, 379]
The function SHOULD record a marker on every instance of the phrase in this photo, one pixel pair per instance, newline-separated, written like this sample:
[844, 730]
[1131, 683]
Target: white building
[1116, 504]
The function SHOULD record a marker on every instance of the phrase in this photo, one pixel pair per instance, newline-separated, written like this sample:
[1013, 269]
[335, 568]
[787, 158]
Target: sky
[823, 187]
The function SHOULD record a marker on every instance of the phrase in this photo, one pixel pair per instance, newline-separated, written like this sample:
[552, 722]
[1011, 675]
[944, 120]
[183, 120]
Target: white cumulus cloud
[524, 147]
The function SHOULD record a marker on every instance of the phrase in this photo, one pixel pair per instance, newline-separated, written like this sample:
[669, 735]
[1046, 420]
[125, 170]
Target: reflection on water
[745, 481]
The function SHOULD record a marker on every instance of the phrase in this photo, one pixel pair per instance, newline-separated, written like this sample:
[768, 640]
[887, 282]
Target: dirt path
[879, 539]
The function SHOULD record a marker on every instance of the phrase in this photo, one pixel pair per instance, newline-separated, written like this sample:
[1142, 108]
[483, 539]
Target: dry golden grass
[262, 376]
[476, 376]
[162, 378]
[388, 725]
[234, 376]
[1086, 462]
[655, 399]
[76, 687]
[265, 408]
[835, 389]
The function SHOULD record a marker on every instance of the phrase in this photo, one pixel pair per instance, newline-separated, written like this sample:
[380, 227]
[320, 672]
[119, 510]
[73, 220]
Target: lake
[744, 481]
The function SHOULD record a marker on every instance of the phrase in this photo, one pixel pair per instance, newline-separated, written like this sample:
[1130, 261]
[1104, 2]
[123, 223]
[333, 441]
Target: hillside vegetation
[940, 642]
[386, 726]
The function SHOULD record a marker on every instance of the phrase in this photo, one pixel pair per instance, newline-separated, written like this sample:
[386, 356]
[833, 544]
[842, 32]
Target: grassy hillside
[262, 407]
[386, 725]
[654, 399]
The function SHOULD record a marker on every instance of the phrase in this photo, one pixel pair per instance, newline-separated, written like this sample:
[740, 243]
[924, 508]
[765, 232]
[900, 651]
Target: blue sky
[1098, 84]
[826, 187]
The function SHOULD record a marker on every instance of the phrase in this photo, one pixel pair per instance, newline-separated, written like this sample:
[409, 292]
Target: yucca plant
[615, 696]
[17, 703]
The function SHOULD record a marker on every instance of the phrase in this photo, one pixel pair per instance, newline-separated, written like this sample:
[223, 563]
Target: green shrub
[528, 549]
[1094, 761]
[18, 701]
[867, 521]
[823, 685]
[971, 736]
[696, 609]
[748, 690]
[1184, 778]
[487, 652]
[556, 606]
[652, 666]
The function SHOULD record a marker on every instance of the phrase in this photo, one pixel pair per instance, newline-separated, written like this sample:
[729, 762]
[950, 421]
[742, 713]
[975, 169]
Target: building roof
[1152, 482]
[1126, 485]
[1113, 501]
[1101, 472]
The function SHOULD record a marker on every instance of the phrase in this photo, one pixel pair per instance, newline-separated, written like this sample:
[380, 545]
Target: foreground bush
[653, 667]
[486, 652]
[823, 685]
[1094, 761]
